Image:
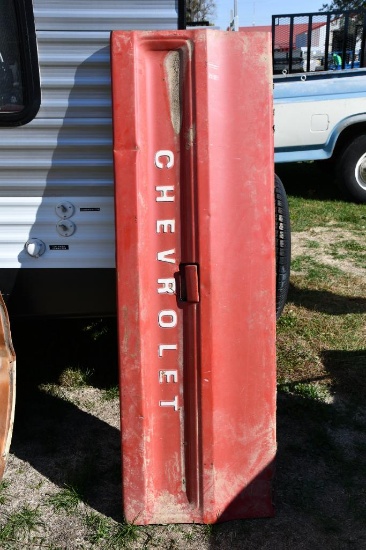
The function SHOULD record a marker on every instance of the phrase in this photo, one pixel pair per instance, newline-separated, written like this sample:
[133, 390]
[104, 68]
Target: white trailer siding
[105, 15]
[65, 153]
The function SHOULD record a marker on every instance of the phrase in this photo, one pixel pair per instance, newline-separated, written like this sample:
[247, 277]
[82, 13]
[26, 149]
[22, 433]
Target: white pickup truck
[320, 107]
[322, 116]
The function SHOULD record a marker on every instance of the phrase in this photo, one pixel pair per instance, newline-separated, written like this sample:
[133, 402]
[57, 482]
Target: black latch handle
[187, 283]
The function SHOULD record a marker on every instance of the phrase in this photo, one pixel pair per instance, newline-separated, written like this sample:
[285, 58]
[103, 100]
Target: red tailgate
[193, 152]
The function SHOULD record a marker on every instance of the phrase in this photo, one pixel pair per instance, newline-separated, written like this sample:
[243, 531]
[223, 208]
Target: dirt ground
[323, 237]
[70, 438]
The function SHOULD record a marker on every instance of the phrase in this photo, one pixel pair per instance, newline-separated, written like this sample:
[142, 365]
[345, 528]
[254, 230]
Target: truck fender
[339, 128]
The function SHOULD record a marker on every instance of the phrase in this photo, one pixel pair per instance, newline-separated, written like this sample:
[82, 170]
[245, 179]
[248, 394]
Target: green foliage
[321, 465]
[19, 525]
[320, 337]
[309, 390]
[122, 534]
[99, 527]
[200, 10]
[314, 270]
[307, 213]
[74, 377]
[67, 499]
[110, 393]
[4, 498]
[344, 5]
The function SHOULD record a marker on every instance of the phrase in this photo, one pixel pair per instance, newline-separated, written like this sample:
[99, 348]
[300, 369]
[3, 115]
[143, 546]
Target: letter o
[167, 318]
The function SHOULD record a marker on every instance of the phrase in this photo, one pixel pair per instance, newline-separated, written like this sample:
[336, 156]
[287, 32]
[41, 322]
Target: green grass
[321, 352]
[320, 488]
[314, 271]
[111, 393]
[351, 250]
[4, 496]
[99, 527]
[75, 377]
[312, 244]
[66, 499]
[307, 213]
[123, 534]
[315, 200]
[20, 525]
[112, 535]
[321, 335]
[307, 390]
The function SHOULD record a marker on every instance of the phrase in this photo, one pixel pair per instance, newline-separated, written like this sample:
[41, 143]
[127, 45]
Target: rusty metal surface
[193, 153]
[7, 386]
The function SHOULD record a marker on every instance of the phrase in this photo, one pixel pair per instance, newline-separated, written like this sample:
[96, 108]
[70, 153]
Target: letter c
[170, 157]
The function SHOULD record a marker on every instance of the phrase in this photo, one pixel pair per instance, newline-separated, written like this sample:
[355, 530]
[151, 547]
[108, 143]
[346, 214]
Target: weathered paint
[7, 386]
[193, 153]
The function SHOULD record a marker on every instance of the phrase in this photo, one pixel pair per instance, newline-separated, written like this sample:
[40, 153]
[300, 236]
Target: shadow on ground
[348, 372]
[71, 448]
[65, 444]
[320, 483]
[309, 180]
[324, 301]
[46, 347]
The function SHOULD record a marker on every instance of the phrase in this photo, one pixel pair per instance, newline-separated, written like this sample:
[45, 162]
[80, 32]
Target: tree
[200, 10]
[344, 5]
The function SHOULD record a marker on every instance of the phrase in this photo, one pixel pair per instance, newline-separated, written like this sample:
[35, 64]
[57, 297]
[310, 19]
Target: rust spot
[190, 136]
[172, 66]
[7, 386]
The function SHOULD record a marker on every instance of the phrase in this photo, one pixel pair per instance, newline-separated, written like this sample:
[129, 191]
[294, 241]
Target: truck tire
[351, 170]
[283, 245]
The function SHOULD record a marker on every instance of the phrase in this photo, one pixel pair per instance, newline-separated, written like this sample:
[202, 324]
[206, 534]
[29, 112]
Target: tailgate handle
[187, 283]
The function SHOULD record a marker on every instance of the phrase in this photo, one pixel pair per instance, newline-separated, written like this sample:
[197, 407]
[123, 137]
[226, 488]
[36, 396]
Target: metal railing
[318, 41]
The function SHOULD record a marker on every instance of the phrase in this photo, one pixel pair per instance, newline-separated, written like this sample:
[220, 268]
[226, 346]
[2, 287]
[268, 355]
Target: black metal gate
[320, 41]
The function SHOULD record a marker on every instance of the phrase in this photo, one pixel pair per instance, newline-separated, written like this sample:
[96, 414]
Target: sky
[259, 12]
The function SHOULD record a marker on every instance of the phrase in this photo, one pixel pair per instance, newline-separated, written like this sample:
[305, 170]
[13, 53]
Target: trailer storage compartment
[193, 154]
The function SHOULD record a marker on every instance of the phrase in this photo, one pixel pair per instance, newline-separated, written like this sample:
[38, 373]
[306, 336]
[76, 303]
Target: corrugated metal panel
[75, 74]
[92, 244]
[57, 157]
[67, 150]
[105, 14]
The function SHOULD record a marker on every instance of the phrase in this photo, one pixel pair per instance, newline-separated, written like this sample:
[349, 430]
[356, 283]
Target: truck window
[19, 73]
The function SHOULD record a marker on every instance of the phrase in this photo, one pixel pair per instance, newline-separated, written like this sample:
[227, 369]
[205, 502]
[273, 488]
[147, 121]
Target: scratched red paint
[7, 386]
[193, 153]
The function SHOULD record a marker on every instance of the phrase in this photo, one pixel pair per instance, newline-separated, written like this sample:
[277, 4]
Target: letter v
[162, 256]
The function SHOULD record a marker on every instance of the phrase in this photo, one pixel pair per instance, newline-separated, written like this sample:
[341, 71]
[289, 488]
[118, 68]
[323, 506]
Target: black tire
[351, 170]
[283, 245]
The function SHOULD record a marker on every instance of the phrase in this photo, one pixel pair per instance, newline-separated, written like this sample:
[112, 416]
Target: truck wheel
[283, 246]
[7, 386]
[351, 170]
